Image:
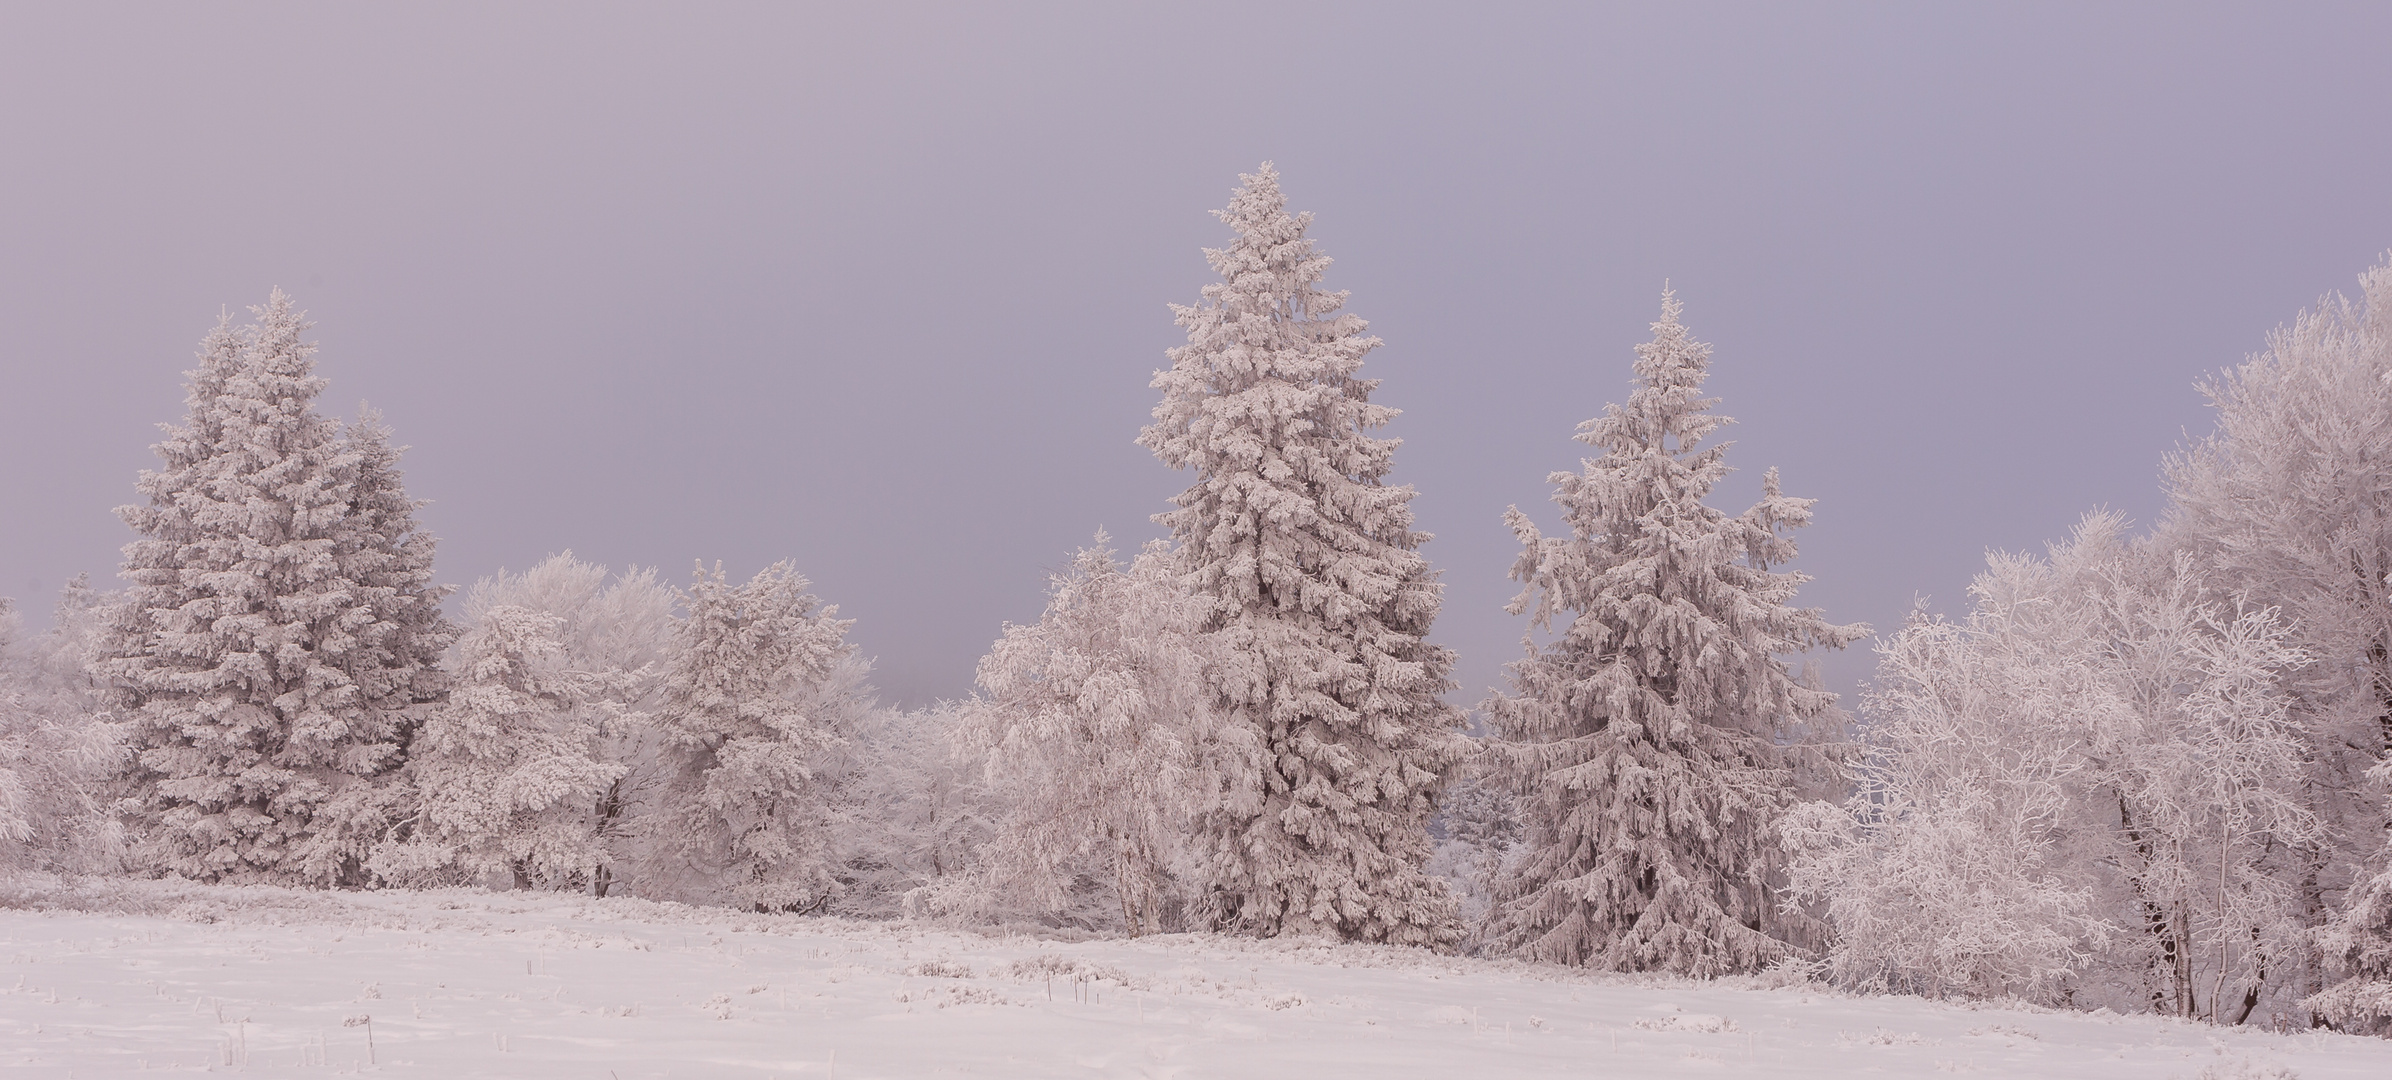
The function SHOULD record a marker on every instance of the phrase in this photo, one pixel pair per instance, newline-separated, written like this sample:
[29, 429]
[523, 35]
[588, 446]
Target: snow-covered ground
[272, 982]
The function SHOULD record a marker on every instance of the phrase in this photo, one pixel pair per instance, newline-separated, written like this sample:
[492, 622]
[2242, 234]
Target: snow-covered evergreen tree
[387, 558]
[1321, 600]
[751, 710]
[2290, 503]
[273, 648]
[398, 632]
[1643, 741]
[1093, 731]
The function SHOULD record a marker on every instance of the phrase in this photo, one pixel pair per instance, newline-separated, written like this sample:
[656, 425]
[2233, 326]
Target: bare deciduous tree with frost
[2359, 943]
[912, 815]
[2290, 503]
[1321, 600]
[2080, 791]
[1095, 734]
[521, 775]
[607, 649]
[1644, 740]
[503, 773]
[752, 708]
[280, 634]
[59, 750]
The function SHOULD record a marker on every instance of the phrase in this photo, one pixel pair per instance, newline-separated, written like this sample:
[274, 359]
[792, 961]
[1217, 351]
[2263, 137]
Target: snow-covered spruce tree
[278, 636]
[1321, 601]
[2077, 793]
[387, 558]
[399, 633]
[2290, 503]
[59, 752]
[1091, 731]
[1643, 741]
[751, 710]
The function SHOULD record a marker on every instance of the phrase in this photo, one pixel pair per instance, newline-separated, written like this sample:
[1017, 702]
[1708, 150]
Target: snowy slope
[173, 977]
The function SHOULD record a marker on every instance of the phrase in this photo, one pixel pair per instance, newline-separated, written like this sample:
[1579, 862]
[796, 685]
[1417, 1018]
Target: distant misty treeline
[2142, 771]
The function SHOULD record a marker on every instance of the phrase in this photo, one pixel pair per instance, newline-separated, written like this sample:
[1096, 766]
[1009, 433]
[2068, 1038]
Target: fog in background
[879, 288]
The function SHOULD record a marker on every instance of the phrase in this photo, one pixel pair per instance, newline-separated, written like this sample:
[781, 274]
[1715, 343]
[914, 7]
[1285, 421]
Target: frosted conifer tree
[1643, 740]
[751, 709]
[1093, 731]
[399, 633]
[388, 559]
[265, 684]
[1321, 600]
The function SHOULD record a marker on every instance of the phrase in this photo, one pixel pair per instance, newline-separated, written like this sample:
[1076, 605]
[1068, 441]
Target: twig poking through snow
[367, 1022]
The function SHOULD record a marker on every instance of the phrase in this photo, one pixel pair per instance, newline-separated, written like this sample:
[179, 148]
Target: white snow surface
[128, 977]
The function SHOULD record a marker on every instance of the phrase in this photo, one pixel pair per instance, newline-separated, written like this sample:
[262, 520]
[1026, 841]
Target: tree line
[2141, 771]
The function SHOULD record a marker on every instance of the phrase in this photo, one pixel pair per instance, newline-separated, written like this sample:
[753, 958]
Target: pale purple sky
[879, 288]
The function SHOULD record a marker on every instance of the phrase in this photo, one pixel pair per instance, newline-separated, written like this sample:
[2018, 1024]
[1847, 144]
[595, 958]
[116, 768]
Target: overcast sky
[880, 288]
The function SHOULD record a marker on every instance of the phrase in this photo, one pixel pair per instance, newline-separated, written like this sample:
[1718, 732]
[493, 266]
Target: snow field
[268, 982]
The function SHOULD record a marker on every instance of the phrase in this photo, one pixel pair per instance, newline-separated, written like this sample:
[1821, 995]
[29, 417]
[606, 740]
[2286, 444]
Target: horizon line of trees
[2143, 772]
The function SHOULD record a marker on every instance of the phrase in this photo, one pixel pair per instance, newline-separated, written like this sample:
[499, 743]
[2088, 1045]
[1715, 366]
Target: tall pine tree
[279, 632]
[1643, 740]
[1321, 600]
[397, 633]
[387, 558]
